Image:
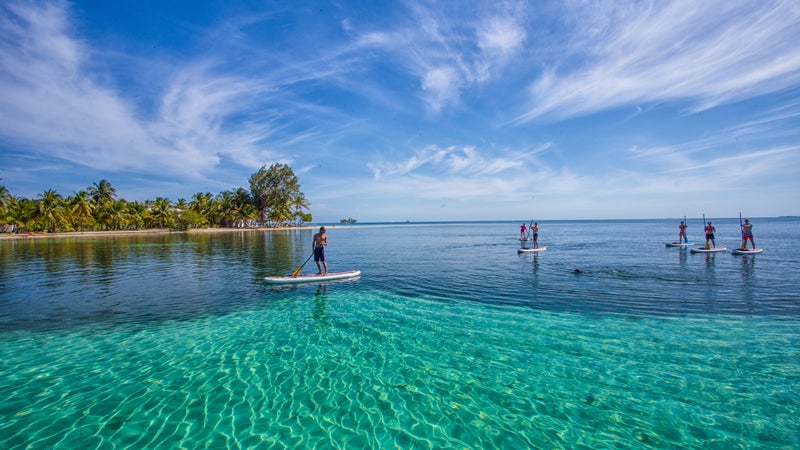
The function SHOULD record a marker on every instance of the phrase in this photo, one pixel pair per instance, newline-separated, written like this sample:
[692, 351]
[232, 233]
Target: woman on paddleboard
[682, 233]
[320, 241]
[747, 233]
[522, 234]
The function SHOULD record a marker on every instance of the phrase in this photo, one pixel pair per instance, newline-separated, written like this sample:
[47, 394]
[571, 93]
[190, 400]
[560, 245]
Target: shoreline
[79, 234]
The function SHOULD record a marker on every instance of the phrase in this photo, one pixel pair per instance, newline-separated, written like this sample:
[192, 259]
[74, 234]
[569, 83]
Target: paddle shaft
[296, 272]
[741, 230]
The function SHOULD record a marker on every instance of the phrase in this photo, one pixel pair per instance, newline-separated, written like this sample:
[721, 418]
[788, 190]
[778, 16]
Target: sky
[412, 110]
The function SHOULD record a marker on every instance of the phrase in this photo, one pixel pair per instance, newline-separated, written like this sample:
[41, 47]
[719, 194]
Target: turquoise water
[448, 340]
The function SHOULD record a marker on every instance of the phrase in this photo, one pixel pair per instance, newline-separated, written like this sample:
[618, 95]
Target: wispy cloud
[449, 51]
[703, 53]
[450, 161]
[54, 104]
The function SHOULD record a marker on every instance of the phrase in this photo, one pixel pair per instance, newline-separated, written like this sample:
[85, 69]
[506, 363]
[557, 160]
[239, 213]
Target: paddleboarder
[682, 233]
[320, 241]
[535, 231]
[710, 230]
[522, 234]
[747, 233]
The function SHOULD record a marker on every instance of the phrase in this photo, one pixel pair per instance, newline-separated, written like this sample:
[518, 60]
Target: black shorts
[319, 254]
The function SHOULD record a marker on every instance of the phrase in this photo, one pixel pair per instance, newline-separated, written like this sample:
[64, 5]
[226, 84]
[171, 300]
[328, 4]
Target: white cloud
[54, 104]
[500, 34]
[451, 161]
[441, 86]
[451, 52]
[707, 53]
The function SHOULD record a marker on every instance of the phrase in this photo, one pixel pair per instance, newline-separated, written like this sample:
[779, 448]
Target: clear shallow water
[449, 339]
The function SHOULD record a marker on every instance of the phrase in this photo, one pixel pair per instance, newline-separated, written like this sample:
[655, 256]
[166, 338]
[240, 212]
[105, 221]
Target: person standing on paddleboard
[682, 233]
[320, 241]
[710, 230]
[535, 231]
[747, 233]
[522, 235]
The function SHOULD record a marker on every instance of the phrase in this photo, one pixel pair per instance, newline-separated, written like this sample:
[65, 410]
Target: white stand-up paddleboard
[313, 278]
[531, 250]
[746, 251]
[680, 244]
[708, 250]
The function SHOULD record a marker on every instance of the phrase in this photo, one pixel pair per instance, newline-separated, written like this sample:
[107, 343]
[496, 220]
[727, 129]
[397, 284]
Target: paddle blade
[297, 272]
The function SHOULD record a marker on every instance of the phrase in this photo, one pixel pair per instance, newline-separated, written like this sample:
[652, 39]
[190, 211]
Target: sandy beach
[73, 234]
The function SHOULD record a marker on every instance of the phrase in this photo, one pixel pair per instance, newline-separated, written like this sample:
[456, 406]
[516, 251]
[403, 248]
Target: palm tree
[229, 208]
[299, 204]
[81, 210]
[24, 214]
[137, 213]
[103, 212]
[118, 214]
[234, 208]
[201, 203]
[5, 206]
[161, 212]
[102, 190]
[280, 213]
[50, 210]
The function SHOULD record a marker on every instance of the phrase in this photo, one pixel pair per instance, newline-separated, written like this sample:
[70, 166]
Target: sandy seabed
[78, 234]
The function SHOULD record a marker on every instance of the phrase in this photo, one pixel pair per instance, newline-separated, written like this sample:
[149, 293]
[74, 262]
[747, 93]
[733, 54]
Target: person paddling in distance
[710, 230]
[320, 241]
[535, 232]
[682, 233]
[522, 234]
[747, 233]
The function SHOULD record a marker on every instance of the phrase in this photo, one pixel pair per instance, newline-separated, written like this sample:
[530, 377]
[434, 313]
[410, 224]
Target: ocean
[449, 339]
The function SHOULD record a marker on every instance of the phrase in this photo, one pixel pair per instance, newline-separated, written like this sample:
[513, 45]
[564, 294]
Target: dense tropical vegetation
[274, 199]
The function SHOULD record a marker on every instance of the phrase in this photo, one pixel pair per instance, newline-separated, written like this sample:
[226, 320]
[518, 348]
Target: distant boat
[348, 220]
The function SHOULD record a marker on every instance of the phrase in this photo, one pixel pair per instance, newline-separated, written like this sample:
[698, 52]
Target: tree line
[274, 199]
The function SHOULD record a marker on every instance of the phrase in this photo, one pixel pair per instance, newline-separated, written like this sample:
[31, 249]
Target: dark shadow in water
[748, 280]
[320, 311]
[710, 281]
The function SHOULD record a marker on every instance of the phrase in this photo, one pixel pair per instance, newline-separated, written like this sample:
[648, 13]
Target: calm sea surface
[449, 339]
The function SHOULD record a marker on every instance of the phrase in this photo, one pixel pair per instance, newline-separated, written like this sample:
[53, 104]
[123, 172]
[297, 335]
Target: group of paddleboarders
[709, 230]
[533, 229]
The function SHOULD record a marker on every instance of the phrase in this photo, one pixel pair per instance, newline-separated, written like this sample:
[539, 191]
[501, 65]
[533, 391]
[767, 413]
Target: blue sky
[416, 110]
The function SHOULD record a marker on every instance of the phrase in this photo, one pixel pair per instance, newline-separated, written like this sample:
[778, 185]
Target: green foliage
[277, 196]
[190, 219]
[274, 198]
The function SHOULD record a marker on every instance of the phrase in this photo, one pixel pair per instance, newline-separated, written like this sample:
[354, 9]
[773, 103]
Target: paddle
[297, 272]
[704, 229]
[741, 230]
